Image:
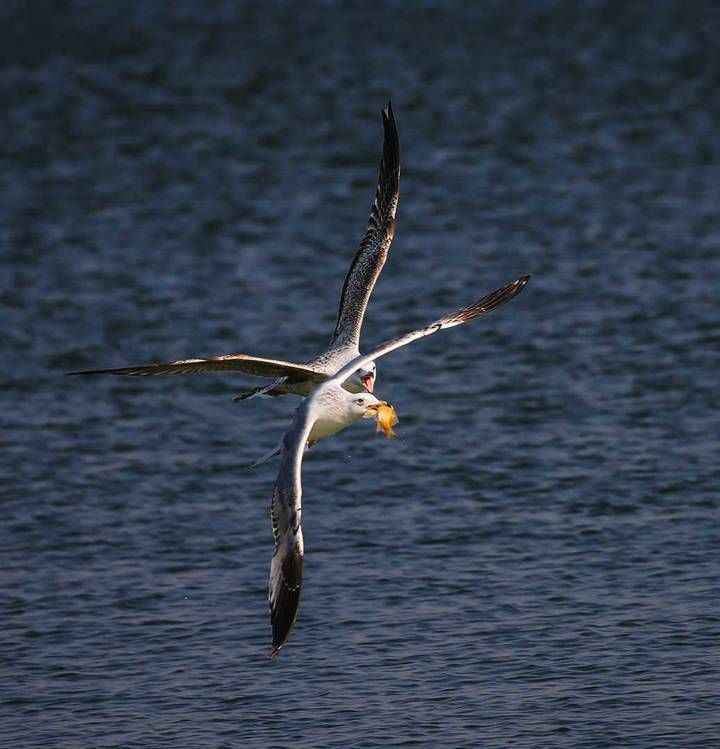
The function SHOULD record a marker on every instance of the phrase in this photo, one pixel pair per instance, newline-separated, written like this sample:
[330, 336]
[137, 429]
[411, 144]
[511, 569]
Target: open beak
[374, 407]
[368, 382]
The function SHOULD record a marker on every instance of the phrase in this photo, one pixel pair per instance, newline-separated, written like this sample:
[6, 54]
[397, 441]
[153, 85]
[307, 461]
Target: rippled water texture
[534, 561]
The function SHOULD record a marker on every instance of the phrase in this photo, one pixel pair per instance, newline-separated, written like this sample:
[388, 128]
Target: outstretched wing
[286, 515]
[252, 365]
[370, 257]
[481, 307]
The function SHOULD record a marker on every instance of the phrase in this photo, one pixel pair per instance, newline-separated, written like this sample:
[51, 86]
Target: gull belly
[326, 426]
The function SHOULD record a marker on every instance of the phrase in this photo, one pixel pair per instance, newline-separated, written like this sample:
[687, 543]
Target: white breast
[333, 413]
[327, 425]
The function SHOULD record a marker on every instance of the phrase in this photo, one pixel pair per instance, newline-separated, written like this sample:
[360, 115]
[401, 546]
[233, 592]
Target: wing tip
[282, 626]
[285, 586]
[486, 304]
[520, 284]
[392, 140]
[91, 372]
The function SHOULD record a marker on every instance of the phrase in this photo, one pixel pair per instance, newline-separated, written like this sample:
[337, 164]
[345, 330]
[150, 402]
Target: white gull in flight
[289, 377]
[336, 408]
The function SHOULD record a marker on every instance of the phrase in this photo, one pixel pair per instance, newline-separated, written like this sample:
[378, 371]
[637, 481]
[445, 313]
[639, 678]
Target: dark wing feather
[481, 307]
[372, 253]
[252, 365]
[285, 571]
[286, 515]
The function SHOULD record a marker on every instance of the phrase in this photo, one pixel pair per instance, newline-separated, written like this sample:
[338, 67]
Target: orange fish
[386, 419]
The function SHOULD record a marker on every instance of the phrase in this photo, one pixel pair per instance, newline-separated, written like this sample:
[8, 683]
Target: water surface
[534, 561]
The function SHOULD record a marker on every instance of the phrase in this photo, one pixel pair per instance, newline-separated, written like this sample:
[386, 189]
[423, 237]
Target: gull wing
[372, 252]
[252, 365]
[286, 515]
[481, 307]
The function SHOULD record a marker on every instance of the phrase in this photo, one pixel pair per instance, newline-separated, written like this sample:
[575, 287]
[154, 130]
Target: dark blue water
[534, 561]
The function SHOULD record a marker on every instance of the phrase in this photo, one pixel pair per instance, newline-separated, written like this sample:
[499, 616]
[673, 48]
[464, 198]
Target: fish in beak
[368, 381]
[386, 418]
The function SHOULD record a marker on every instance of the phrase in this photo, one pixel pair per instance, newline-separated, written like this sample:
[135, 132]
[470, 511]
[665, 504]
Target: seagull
[300, 379]
[336, 408]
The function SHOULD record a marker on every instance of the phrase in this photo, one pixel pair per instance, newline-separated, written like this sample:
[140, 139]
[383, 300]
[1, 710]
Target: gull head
[362, 380]
[363, 405]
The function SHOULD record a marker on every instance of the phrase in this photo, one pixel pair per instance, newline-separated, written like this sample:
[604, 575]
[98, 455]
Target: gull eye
[360, 401]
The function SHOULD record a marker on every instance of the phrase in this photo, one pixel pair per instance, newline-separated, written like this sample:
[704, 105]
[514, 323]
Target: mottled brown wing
[251, 365]
[482, 306]
[373, 250]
